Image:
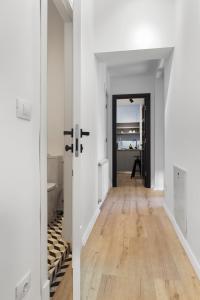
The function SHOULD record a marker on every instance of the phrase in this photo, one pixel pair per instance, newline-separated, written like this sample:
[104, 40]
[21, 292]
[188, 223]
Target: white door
[76, 234]
[72, 157]
[71, 227]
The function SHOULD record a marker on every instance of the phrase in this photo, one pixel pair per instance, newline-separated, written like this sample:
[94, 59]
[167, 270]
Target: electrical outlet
[23, 287]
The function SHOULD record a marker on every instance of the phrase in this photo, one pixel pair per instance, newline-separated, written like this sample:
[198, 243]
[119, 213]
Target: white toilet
[52, 203]
[55, 185]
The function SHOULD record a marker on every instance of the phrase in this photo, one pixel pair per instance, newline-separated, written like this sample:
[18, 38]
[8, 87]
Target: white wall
[19, 160]
[89, 157]
[182, 108]
[125, 24]
[102, 90]
[134, 85]
[128, 113]
[121, 25]
[56, 81]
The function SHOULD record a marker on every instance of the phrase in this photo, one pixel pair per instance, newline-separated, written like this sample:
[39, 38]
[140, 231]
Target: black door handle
[71, 132]
[69, 148]
[86, 133]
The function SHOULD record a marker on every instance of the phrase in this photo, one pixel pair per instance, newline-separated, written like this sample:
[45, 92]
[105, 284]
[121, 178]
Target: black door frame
[147, 160]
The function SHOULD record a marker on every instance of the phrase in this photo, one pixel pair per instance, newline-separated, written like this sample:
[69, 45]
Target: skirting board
[160, 189]
[102, 202]
[184, 242]
[90, 227]
[46, 291]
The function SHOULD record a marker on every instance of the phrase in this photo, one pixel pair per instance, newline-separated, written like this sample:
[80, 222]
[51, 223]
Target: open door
[72, 133]
[76, 178]
[146, 138]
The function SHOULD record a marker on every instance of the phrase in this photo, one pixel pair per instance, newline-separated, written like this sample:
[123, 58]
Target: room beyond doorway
[131, 148]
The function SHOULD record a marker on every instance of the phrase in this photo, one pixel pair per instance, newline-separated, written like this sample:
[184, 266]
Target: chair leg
[134, 169]
[137, 162]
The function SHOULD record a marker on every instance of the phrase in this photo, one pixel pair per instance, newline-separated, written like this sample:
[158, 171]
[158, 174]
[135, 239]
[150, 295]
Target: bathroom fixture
[52, 201]
[55, 184]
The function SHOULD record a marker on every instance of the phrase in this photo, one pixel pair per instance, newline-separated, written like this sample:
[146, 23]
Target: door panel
[76, 179]
[146, 142]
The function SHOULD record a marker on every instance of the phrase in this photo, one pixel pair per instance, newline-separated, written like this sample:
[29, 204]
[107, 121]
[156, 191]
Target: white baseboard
[184, 242]
[46, 290]
[157, 188]
[102, 202]
[90, 226]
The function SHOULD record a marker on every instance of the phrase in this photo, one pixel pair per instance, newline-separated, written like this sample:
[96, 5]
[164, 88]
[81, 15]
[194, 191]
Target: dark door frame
[147, 151]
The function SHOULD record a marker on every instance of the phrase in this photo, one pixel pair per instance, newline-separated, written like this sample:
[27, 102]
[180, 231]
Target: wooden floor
[133, 252]
[124, 179]
[65, 289]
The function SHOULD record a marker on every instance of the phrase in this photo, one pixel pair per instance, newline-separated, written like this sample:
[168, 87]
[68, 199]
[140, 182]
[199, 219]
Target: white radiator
[180, 198]
[103, 180]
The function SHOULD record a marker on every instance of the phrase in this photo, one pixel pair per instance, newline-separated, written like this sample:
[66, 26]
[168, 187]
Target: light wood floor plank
[133, 251]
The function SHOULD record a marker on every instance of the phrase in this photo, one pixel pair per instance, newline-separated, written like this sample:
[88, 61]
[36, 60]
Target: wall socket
[23, 287]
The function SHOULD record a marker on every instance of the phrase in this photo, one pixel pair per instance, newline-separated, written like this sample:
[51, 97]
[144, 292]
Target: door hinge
[72, 172]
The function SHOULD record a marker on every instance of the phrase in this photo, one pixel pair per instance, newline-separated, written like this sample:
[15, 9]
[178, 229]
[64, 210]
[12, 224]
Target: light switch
[23, 109]
[23, 287]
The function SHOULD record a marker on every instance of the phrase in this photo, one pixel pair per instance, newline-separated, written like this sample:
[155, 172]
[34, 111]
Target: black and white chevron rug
[59, 254]
[59, 276]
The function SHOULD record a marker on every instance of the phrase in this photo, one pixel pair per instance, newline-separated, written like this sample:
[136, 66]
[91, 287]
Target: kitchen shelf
[127, 133]
[128, 127]
[122, 130]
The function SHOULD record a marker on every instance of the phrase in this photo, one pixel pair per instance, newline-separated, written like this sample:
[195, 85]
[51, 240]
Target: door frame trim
[147, 98]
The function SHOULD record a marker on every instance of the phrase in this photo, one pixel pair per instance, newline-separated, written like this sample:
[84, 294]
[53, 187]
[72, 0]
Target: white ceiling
[133, 62]
[141, 68]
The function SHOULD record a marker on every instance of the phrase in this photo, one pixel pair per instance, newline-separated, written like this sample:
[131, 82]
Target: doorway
[131, 131]
[59, 163]
[56, 152]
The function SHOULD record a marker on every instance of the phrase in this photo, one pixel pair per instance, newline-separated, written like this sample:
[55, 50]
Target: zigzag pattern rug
[59, 254]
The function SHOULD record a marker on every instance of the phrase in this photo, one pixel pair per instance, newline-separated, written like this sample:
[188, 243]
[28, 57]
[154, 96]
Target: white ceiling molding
[135, 62]
[117, 58]
[147, 67]
[160, 69]
[161, 64]
[159, 74]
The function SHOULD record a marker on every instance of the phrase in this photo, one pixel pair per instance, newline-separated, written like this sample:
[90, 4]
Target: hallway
[133, 252]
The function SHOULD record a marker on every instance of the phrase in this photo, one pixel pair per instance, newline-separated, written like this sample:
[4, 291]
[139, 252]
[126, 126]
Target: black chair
[136, 163]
